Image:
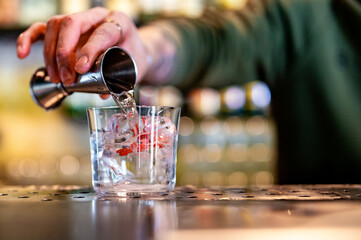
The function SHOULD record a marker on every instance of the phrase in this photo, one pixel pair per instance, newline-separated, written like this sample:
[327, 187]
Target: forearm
[224, 48]
[161, 53]
[188, 52]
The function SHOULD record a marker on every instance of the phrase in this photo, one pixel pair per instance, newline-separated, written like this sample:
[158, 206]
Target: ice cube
[117, 123]
[143, 163]
[114, 139]
[116, 172]
[125, 139]
[111, 167]
[154, 124]
[108, 152]
[135, 123]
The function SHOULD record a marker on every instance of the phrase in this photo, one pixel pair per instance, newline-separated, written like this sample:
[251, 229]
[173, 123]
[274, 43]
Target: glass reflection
[130, 218]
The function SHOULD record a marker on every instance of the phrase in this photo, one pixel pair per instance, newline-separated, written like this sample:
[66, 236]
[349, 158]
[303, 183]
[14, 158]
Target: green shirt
[308, 52]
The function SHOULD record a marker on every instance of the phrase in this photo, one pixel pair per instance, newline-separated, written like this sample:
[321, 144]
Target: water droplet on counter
[293, 191]
[47, 199]
[248, 196]
[273, 193]
[304, 196]
[23, 197]
[79, 197]
[192, 197]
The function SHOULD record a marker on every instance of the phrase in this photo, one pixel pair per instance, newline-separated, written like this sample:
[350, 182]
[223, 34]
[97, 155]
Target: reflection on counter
[145, 219]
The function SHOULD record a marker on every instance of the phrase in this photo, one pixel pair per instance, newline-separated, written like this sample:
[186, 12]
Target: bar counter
[187, 213]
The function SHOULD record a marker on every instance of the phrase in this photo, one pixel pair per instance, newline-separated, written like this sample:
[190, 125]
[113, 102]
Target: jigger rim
[103, 59]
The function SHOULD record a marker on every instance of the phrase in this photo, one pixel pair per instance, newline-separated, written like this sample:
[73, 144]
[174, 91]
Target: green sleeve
[258, 42]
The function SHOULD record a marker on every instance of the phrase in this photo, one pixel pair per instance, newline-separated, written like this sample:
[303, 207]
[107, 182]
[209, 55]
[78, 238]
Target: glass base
[123, 190]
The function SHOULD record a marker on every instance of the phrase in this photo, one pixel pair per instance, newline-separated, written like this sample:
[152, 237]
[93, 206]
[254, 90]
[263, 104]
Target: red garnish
[124, 151]
[144, 136]
[143, 147]
[135, 130]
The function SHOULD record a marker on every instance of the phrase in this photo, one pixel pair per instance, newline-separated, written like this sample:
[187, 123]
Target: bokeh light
[260, 152]
[237, 179]
[233, 126]
[189, 178]
[237, 152]
[212, 179]
[69, 165]
[234, 98]
[188, 153]
[28, 168]
[210, 126]
[170, 96]
[204, 102]
[256, 125]
[261, 95]
[211, 153]
[186, 126]
[263, 179]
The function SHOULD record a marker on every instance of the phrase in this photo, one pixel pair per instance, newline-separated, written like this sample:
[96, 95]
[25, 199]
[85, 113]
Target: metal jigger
[113, 72]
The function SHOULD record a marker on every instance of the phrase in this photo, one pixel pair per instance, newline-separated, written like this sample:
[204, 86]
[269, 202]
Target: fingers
[50, 43]
[64, 36]
[34, 33]
[65, 49]
[103, 37]
[71, 29]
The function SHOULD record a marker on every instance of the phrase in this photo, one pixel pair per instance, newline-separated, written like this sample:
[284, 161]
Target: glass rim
[138, 106]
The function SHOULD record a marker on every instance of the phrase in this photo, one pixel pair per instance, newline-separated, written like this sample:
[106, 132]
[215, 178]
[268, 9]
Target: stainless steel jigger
[113, 72]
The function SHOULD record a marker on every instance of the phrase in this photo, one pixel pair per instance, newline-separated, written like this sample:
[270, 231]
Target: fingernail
[81, 62]
[66, 75]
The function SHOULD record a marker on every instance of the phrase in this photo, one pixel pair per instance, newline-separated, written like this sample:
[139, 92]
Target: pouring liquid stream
[126, 102]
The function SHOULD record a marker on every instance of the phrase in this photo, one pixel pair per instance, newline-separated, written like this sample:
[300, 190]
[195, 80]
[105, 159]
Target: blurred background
[226, 136]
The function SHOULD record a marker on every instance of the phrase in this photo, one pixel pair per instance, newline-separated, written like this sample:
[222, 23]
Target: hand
[73, 42]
